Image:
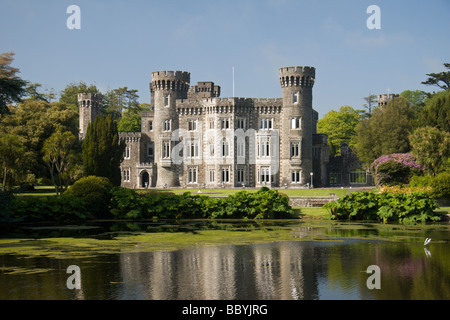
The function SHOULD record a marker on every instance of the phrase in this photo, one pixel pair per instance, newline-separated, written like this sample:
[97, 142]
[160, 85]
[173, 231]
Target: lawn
[289, 192]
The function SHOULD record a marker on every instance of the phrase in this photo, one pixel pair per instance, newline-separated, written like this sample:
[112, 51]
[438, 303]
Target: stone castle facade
[194, 138]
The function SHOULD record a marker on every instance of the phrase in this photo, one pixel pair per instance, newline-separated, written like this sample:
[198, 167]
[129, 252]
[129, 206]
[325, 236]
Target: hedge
[384, 206]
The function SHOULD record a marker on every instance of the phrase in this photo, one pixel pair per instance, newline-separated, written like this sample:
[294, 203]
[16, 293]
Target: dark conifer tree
[102, 150]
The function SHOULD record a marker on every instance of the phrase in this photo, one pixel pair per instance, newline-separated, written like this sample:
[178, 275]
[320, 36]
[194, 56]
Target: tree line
[39, 134]
[416, 123]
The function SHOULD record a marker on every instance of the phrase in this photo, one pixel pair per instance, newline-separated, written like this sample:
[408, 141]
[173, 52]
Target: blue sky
[121, 42]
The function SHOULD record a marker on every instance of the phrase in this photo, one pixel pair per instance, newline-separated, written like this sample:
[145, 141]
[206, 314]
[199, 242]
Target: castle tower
[296, 159]
[166, 87]
[89, 108]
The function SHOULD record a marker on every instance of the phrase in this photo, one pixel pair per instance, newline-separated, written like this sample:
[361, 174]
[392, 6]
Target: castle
[194, 138]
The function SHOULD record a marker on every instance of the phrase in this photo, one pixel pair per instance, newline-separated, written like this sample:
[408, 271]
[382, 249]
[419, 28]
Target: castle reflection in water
[282, 270]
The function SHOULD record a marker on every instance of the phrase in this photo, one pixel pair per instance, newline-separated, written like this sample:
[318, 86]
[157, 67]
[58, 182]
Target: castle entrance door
[145, 179]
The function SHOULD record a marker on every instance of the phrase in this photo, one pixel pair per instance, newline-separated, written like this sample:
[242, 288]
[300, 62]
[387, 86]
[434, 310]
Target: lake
[226, 260]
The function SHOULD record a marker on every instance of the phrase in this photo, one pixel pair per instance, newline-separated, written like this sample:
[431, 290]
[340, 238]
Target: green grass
[289, 192]
[310, 212]
[39, 191]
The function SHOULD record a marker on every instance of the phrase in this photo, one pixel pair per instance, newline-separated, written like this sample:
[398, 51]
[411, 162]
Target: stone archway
[145, 179]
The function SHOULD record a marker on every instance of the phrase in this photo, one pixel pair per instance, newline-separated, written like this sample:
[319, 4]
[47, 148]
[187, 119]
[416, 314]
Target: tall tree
[34, 121]
[102, 150]
[441, 79]
[436, 112]
[60, 156]
[12, 87]
[431, 147]
[11, 151]
[33, 89]
[131, 118]
[339, 126]
[69, 95]
[386, 132]
[371, 103]
[118, 100]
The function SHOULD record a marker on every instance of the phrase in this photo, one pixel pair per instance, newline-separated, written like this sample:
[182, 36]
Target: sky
[120, 43]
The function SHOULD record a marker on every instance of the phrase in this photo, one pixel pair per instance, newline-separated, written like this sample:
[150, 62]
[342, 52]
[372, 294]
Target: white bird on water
[427, 241]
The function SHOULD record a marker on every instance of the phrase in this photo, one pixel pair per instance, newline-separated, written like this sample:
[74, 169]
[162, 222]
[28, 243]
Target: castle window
[265, 124]
[167, 125]
[192, 175]
[225, 123]
[295, 123]
[295, 97]
[264, 175]
[150, 151]
[316, 153]
[241, 175]
[126, 175]
[295, 176]
[192, 149]
[166, 100]
[211, 149]
[226, 174]
[241, 149]
[192, 125]
[150, 126]
[126, 153]
[166, 149]
[263, 145]
[240, 123]
[358, 177]
[211, 175]
[211, 124]
[295, 148]
[225, 148]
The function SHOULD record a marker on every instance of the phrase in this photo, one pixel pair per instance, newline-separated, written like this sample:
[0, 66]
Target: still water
[291, 260]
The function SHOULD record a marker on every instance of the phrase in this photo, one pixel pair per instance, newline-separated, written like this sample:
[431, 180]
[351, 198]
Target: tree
[102, 151]
[131, 118]
[12, 88]
[386, 131]
[11, 150]
[339, 126]
[436, 112]
[416, 99]
[118, 100]
[69, 95]
[441, 79]
[34, 121]
[60, 157]
[431, 147]
[395, 169]
[371, 103]
[32, 90]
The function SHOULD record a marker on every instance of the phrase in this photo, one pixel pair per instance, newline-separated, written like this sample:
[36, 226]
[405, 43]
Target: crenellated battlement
[97, 97]
[170, 80]
[297, 76]
[130, 136]
[171, 75]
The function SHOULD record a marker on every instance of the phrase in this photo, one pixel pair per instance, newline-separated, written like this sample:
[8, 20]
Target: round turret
[297, 122]
[297, 76]
[166, 87]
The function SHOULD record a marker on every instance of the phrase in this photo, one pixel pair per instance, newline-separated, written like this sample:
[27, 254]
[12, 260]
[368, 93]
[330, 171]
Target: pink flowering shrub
[395, 169]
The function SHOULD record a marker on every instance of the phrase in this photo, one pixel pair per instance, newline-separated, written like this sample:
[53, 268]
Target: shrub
[385, 206]
[395, 169]
[95, 192]
[49, 208]
[264, 203]
[420, 181]
[440, 186]
[126, 203]
[5, 206]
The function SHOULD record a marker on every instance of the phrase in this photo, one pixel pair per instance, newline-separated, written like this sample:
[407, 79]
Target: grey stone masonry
[194, 138]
